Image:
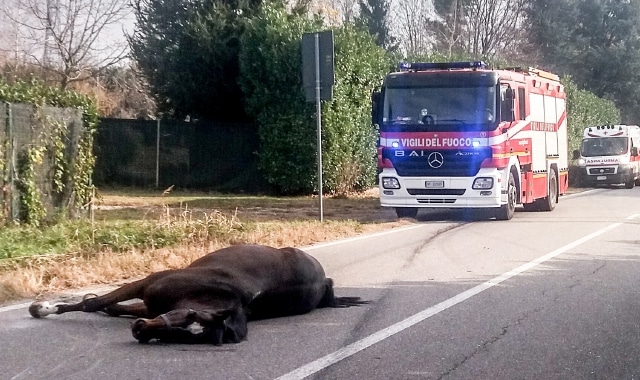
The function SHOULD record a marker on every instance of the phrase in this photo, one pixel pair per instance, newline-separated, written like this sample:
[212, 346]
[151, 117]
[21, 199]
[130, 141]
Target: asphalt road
[542, 296]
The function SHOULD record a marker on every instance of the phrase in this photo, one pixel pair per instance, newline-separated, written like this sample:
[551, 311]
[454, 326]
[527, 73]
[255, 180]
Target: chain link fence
[25, 128]
[162, 153]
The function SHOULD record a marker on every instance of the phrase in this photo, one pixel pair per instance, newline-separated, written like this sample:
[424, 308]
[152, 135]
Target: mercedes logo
[435, 160]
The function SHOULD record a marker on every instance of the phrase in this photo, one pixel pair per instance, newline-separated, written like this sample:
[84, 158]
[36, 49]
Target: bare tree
[349, 10]
[492, 26]
[69, 38]
[121, 92]
[334, 12]
[410, 23]
[9, 30]
[448, 28]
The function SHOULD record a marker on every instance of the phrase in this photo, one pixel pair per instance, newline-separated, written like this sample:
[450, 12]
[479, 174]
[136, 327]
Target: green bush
[585, 109]
[270, 77]
[349, 141]
[271, 66]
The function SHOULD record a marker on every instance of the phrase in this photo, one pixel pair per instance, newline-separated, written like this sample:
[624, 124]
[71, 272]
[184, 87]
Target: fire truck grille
[437, 200]
[437, 163]
[598, 171]
[436, 191]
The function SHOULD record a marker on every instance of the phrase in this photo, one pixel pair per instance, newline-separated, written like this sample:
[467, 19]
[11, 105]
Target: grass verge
[132, 234]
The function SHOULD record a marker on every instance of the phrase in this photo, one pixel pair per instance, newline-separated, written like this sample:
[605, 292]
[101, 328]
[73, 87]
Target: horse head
[192, 326]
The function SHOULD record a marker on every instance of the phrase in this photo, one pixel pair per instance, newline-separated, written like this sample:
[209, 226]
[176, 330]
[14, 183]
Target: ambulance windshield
[604, 146]
[439, 108]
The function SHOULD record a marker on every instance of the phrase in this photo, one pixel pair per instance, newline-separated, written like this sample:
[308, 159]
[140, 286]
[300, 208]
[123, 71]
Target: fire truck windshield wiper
[453, 121]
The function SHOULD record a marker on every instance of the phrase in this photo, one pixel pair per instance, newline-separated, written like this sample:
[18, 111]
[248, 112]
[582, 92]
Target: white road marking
[352, 349]
[14, 307]
[361, 237]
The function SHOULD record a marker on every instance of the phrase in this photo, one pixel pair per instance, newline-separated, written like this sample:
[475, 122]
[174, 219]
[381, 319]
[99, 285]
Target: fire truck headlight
[582, 162]
[390, 183]
[482, 183]
[624, 160]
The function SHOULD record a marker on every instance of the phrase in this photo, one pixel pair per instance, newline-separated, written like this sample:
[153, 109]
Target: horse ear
[210, 316]
[224, 314]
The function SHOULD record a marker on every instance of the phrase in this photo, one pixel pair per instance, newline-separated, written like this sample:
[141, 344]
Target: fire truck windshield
[604, 146]
[439, 108]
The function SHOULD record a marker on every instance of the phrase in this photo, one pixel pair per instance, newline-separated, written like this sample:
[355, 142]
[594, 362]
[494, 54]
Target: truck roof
[612, 130]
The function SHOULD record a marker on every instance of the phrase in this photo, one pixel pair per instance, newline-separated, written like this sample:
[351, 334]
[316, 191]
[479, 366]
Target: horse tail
[349, 301]
[329, 298]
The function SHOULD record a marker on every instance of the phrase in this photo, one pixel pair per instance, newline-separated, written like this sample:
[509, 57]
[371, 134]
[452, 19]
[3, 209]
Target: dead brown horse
[211, 300]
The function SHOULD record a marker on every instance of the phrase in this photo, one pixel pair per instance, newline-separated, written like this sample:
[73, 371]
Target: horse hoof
[34, 309]
[41, 309]
[138, 330]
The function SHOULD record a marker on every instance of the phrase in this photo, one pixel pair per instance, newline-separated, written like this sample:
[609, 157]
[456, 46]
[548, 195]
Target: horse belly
[291, 300]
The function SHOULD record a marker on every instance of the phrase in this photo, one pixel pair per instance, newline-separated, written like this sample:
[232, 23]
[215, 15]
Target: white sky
[12, 34]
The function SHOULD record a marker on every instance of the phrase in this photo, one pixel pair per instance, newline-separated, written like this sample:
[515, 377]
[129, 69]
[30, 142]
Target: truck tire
[549, 202]
[406, 212]
[534, 206]
[630, 183]
[505, 212]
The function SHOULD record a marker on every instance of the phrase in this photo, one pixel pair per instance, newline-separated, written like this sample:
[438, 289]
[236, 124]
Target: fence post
[158, 154]
[12, 162]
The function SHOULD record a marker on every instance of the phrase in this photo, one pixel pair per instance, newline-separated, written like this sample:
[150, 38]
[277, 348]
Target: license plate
[433, 184]
[601, 177]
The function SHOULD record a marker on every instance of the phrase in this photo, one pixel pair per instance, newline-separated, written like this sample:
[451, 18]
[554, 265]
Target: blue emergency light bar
[423, 66]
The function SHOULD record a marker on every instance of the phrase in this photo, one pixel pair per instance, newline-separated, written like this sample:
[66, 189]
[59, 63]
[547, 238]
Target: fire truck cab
[609, 155]
[461, 135]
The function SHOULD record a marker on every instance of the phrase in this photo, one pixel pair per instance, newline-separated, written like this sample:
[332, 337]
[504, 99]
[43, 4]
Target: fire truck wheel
[506, 211]
[629, 184]
[549, 203]
[406, 212]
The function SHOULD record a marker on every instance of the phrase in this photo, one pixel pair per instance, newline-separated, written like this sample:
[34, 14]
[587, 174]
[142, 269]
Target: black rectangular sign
[325, 59]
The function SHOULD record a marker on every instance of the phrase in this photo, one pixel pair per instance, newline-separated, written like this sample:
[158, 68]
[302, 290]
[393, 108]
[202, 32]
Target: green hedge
[586, 109]
[271, 67]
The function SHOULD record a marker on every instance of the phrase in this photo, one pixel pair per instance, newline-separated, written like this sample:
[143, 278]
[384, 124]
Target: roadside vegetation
[141, 232]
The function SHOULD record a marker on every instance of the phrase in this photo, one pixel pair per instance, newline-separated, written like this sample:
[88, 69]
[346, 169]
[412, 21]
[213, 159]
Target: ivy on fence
[53, 165]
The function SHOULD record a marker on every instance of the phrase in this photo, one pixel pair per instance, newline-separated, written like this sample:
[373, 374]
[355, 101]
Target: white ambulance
[609, 155]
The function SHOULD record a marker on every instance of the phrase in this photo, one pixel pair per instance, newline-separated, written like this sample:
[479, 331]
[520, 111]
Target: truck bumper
[456, 192]
[622, 175]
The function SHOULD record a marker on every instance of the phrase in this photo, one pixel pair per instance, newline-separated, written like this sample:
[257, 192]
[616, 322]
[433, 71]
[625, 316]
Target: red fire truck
[461, 135]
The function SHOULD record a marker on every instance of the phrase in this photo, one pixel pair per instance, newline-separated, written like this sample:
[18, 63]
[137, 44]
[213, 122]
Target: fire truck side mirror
[576, 154]
[508, 105]
[509, 95]
[376, 97]
[634, 151]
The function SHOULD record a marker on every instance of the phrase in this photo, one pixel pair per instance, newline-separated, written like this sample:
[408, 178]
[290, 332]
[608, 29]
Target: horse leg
[138, 309]
[92, 304]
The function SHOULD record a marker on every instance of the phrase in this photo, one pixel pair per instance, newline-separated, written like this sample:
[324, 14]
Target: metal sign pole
[319, 124]
[317, 81]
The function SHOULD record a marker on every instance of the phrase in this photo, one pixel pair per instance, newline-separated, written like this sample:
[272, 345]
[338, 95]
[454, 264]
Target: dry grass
[276, 222]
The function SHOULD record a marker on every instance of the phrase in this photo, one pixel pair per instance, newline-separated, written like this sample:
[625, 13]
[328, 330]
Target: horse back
[279, 282]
